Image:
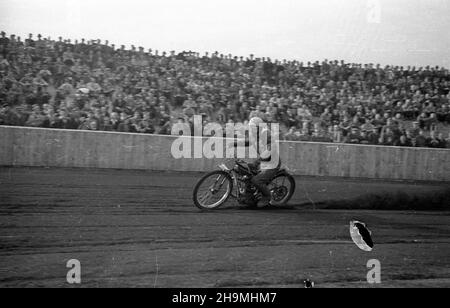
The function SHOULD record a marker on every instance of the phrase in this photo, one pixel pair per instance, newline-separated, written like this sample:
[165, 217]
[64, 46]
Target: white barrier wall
[68, 148]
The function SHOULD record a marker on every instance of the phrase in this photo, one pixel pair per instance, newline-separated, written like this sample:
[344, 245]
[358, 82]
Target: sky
[396, 32]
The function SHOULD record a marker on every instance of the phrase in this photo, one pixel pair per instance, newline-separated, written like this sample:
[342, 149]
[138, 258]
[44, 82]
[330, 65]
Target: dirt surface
[140, 229]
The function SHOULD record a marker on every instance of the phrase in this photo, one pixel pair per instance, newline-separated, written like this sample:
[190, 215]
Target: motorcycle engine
[248, 192]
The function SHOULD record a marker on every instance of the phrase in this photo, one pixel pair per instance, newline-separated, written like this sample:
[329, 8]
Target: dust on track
[140, 229]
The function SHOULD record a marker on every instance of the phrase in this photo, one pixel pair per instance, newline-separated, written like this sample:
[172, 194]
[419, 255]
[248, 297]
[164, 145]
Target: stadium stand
[95, 85]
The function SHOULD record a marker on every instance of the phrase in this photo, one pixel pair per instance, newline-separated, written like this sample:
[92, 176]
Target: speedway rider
[264, 164]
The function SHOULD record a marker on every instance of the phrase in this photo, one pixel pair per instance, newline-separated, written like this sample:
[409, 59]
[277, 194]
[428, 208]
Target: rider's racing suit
[267, 170]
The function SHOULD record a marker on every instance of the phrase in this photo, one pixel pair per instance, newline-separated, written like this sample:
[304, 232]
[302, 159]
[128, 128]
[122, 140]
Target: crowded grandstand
[94, 85]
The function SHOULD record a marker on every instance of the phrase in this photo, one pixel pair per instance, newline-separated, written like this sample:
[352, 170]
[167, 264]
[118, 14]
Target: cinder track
[140, 229]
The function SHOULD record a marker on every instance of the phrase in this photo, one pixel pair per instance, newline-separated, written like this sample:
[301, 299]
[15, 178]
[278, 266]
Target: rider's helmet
[255, 121]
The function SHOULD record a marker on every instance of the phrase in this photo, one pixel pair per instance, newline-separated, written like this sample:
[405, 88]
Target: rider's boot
[264, 202]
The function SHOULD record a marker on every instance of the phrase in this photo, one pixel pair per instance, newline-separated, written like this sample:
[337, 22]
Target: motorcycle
[214, 189]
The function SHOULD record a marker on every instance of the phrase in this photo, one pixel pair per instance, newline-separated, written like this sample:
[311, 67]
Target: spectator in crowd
[354, 136]
[404, 141]
[421, 140]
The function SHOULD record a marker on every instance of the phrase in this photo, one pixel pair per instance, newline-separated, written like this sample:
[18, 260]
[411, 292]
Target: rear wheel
[213, 190]
[282, 189]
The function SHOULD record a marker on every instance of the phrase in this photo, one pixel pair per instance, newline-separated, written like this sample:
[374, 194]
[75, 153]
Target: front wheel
[213, 190]
[282, 189]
